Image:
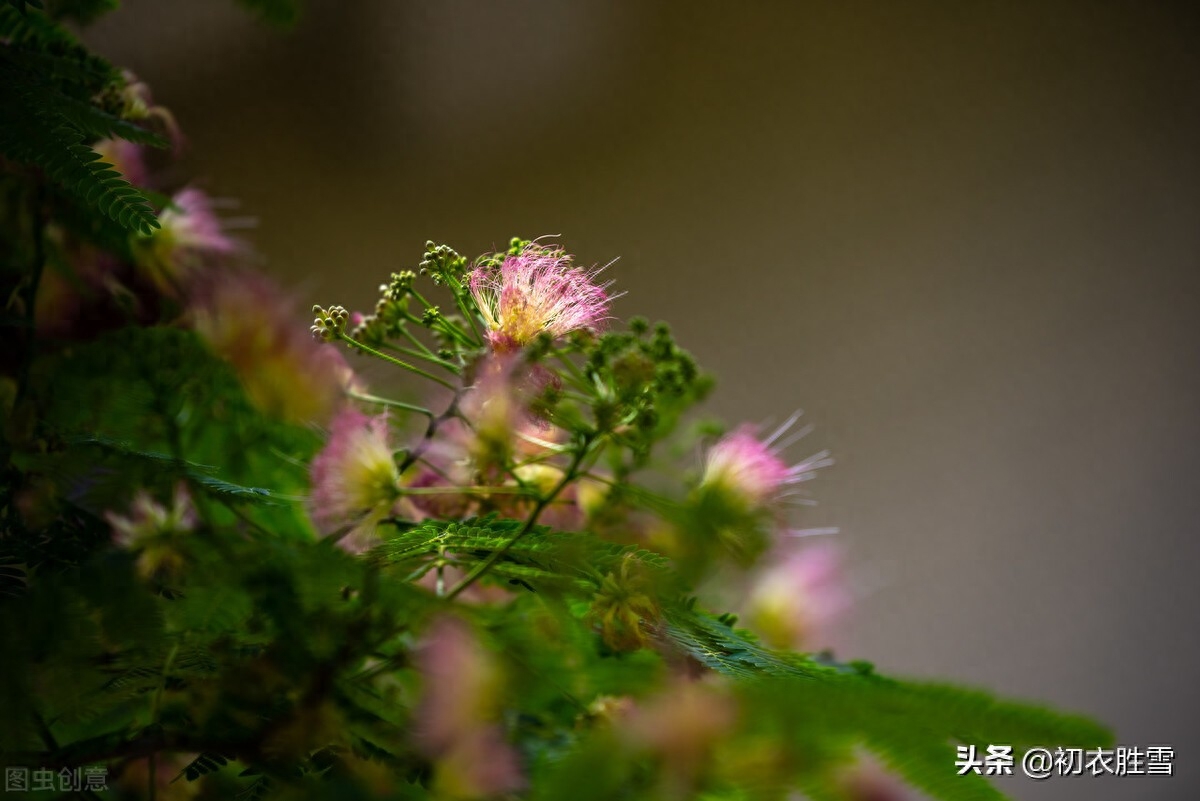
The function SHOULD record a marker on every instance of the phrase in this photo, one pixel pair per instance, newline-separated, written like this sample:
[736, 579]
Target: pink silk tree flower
[250, 323]
[481, 765]
[867, 781]
[456, 718]
[355, 479]
[536, 290]
[682, 725]
[189, 238]
[799, 597]
[749, 470]
[138, 104]
[499, 408]
[147, 518]
[496, 405]
[150, 529]
[126, 158]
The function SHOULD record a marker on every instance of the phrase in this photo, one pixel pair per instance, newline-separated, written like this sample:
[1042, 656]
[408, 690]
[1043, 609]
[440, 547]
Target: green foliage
[51, 90]
[294, 668]
[208, 762]
[531, 617]
[283, 13]
[163, 409]
[81, 11]
[543, 560]
[718, 646]
[911, 727]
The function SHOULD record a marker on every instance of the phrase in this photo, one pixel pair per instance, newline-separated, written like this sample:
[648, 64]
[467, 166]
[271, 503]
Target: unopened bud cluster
[376, 328]
[330, 323]
[442, 263]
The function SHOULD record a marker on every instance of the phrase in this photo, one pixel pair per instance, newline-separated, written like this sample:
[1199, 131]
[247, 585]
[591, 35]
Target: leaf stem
[429, 357]
[393, 360]
[408, 407]
[155, 708]
[527, 526]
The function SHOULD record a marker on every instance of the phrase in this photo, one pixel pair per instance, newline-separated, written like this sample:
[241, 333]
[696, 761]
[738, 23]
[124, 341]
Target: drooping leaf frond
[48, 87]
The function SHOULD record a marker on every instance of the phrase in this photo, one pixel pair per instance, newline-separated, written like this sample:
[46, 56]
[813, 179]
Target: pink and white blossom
[750, 471]
[800, 598]
[151, 530]
[457, 718]
[537, 290]
[126, 158]
[354, 478]
[248, 321]
[189, 238]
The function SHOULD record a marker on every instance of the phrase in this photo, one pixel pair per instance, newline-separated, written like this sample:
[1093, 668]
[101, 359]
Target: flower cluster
[189, 270]
[253, 325]
[520, 578]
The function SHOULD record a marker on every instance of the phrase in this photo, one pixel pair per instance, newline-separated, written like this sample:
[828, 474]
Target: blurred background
[963, 237]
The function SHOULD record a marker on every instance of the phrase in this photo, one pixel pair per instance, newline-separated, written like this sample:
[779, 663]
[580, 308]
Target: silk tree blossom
[138, 104]
[355, 479]
[682, 725]
[537, 290]
[151, 528]
[866, 780]
[800, 597]
[498, 407]
[126, 158]
[254, 326]
[189, 238]
[456, 721]
[750, 471]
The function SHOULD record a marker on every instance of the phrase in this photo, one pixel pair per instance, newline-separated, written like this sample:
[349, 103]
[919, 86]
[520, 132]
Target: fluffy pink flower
[148, 518]
[151, 529]
[354, 478]
[682, 725]
[139, 105]
[254, 326]
[498, 406]
[126, 158]
[865, 779]
[190, 237]
[456, 719]
[800, 597]
[537, 290]
[750, 471]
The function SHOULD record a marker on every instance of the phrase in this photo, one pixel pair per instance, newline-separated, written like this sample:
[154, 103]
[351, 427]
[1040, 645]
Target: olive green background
[963, 236]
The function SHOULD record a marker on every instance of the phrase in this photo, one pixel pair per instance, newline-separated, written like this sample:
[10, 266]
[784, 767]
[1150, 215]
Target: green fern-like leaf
[733, 652]
[35, 132]
[98, 124]
[47, 85]
[912, 727]
[23, 5]
[69, 65]
[204, 764]
[567, 561]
